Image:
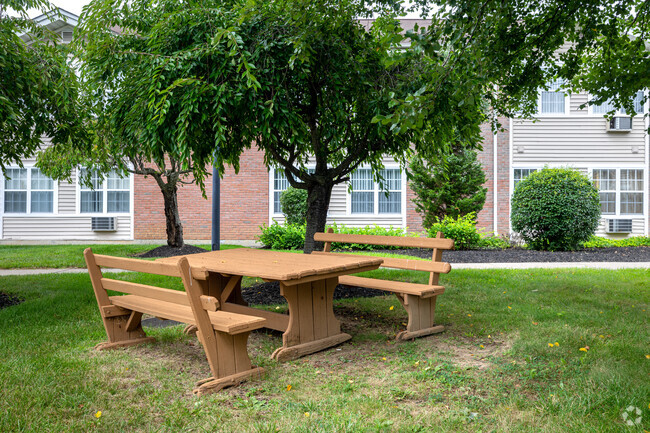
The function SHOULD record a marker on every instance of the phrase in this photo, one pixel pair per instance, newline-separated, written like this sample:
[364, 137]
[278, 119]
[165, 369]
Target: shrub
[283, 237]
[462, 230]
[633, 241]
[555, 209]
[491, 242]
[454, 188]
[294, 205]
[368, 230]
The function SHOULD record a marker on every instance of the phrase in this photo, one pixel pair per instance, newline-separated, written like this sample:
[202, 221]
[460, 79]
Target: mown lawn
[68, 256]
[510, 361]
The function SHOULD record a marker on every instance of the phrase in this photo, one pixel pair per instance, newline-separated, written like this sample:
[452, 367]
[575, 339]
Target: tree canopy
[38, 87]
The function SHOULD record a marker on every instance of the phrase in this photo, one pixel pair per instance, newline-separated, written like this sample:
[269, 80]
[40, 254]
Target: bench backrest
[438, 244]
[191, 278]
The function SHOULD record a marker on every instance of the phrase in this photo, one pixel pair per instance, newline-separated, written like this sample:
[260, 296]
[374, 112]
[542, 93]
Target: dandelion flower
[556, 343]
[509, 307]
[469, 315]
[550, 344]
[583, 349]
[289, 387]
[482, 347]
[307, 414]
[98, 414]
[647, 356]
[383, 359]
[392, 307]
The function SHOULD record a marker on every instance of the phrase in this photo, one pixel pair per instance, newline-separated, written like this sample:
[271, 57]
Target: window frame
[272, 172]
[28, 206]
[514, 181]
[618, 192]
[104, 190]
[376, 191]
[567, 104]
[617, 113]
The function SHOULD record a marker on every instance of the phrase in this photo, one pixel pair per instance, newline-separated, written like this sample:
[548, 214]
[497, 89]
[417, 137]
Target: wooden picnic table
[307, 282]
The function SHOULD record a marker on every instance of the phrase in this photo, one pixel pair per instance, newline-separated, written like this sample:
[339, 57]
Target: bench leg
[421, 312]
[124, 331]
[232, 365]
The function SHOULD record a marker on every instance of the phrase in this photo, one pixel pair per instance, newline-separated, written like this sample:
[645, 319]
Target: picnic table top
[278, 266]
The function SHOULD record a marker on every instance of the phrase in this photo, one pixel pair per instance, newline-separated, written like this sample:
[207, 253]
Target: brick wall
[244, 204]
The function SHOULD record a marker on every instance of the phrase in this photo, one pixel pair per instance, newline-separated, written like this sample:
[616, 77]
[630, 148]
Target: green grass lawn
[67, 256]
[510, 361]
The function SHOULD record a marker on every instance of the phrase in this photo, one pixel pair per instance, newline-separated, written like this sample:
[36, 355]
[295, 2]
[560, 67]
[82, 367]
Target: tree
[146, 114]
[37, 86]
[453, 187]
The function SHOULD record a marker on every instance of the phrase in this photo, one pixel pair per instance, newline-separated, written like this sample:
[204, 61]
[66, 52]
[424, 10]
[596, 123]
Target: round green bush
[555, 209]
[294, 205]
[462, 230]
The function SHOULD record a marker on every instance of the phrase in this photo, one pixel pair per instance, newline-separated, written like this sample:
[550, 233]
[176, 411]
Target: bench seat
[231, 323]
[421, 290]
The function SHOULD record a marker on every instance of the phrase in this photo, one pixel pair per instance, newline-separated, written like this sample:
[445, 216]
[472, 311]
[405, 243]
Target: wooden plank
[174, 296]
[231, 323]
[395, 241]
[96, 278]
[226, 351]
[436, 256]
[330, 275]
[423, 306]
[291, 336]
[306, 313]
[411, 304]
[124, 343]
[146, 266]
[409, 335]
[408, 264]
[421, 290]
[113, 311]
[276, 321]
[333, 324]
[293, 352]
[319, 296]
[230, 286]
[242, 360]
[134, 321]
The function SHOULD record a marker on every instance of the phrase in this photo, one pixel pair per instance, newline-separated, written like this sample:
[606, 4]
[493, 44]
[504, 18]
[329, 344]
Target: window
[622, 194]
[521, 174]
[632, 192]
[365, 192]
[110, 196]
[28, 191]
[280, 183]
[605, 182]
[553, 99]
[608, 106]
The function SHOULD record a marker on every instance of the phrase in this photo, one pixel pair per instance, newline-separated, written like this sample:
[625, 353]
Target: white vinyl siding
[61, 227]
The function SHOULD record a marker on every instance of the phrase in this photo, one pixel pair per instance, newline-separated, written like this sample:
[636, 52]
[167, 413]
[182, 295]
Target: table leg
[312, 324]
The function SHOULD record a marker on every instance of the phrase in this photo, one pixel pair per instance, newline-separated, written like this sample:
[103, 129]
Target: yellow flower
[550, 344]
[601, 336]
[509, 307]
[583, 349]
[482, 347]
[98, 414]
[307, 414]
[469, 315]
[289, 387]
[417, 363]
[350, 381]
[556, 343]
[489, 336]
[647, 356]
[383, 359]
[391, 308]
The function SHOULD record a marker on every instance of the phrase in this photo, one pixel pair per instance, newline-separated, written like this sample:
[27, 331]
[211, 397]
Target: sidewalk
[528, 265]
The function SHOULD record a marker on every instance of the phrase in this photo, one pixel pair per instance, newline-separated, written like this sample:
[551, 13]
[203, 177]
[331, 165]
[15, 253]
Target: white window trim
[28, 214]
[272, 213]
[567, 105]
[377, 191]
[618, 113]
[104, 190]
[618, 213]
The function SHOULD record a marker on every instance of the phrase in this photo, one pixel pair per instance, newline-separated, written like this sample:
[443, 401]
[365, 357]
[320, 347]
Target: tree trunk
[172, 218]
[318, 201]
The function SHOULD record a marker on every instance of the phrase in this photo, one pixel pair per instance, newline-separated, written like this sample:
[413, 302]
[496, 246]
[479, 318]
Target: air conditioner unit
[103, 224]
[618, 226]
[620, 124]
[66, 37]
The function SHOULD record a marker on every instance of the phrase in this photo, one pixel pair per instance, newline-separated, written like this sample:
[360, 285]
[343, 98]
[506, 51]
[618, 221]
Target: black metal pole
[216, 209]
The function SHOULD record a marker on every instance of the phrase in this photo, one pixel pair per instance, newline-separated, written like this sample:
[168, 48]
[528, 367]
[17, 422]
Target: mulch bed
[269, 293]
[167, 251]
[9, 300]
[519, 255]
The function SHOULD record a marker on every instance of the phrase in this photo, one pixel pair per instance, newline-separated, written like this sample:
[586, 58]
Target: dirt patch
[470, 354]
[167, 251]
[7, 300]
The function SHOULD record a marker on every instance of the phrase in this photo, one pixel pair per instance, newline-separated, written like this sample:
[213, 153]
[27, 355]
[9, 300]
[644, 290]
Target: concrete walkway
[528, 265]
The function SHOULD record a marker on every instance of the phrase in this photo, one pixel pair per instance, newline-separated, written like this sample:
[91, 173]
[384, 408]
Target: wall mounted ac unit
[618, 226]
[103, 224]
[66, 37]
[620, 124]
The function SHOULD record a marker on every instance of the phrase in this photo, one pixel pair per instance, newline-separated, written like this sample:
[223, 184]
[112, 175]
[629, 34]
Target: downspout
[495, 173]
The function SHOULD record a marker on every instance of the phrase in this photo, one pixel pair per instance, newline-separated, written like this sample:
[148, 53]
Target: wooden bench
[224, 335]
[419, 300]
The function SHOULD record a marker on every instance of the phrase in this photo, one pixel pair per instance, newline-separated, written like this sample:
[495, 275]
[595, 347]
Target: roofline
[48, 17]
